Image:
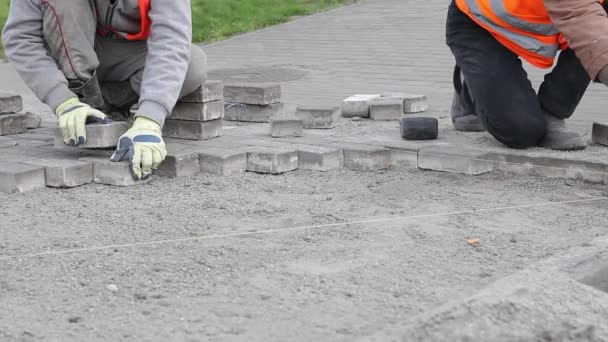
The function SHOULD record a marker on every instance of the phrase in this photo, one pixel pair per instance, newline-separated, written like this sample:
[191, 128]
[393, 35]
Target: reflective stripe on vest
[537, 41]
[144, 10]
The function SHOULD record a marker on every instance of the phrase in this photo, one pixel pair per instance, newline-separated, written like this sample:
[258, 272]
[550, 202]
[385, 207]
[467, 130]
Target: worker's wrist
[153, 111]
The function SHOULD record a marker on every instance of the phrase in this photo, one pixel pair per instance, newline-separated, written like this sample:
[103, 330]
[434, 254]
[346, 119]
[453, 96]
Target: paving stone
[65, 173]
[456, 160]
[365, 158]
[10, 103]
[272, 161]
[33, 121]
[318, 117]
[318, 158]
[415, 104]
[16, 177]
[282, 128]
[386, 108]
[180, 164]
[357, 106]
[98, 135]
[210, 91]
[252, 113]
[600, 133]
[405, 158]
[112, 173]
[522, 164]
[198, 111]
[253, 93]
[223, 162]
[13, 124]
[419, 128]
[193, 130]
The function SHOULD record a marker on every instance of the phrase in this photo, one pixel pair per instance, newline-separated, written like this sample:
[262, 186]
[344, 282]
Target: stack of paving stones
[252, 102]
[198, 116]
[383, 107]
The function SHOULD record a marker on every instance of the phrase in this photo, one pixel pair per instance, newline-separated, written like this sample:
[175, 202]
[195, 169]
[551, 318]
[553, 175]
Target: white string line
[293, 229]
[506, 162]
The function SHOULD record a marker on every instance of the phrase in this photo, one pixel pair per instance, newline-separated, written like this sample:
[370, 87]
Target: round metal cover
[256, 75]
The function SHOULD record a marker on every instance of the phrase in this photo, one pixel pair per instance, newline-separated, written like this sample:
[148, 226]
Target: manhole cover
[256, 75]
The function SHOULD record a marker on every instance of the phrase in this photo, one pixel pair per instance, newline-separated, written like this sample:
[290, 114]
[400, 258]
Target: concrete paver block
[210, 91]
[600, 133]
[318, 117]
[252, 93]
[13, 124]
[357, 106]
[179, 164]
[10, 103]
[198, 111]
[112, 173]
[418, 128]
[456, 160]
[319, 158]
[16, 177]
[98, 135]
[223, 162]
[65, 173]
[415, 104]
[386, 108]
[272, 161]
[282, 128]
[252, 113]
[365, 158]
[193, 130]
[33, 121]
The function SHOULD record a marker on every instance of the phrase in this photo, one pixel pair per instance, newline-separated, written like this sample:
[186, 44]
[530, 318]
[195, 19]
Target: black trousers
[498, 88]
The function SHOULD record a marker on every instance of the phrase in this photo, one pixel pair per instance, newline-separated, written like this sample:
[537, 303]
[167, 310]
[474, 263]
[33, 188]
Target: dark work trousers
[498, 88]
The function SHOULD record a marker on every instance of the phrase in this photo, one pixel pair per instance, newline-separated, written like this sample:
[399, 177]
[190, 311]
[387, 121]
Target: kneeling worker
[490, 37]
[84, 58]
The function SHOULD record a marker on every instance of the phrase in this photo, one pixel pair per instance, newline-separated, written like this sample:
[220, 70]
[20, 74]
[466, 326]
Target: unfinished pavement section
[561, 299]
[349, 274]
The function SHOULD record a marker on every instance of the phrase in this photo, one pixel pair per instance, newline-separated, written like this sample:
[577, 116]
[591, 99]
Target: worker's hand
[73, 116]
[144, 146]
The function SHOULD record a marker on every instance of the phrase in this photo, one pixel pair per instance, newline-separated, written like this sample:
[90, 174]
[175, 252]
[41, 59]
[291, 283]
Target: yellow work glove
[144, 146]
[73, 116]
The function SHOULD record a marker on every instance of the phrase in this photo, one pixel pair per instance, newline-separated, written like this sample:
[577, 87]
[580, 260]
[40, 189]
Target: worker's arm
[25, 48]
[585, 27]
[168, 58]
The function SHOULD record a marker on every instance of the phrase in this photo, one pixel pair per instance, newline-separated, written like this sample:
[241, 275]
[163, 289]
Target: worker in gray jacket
[84, 58]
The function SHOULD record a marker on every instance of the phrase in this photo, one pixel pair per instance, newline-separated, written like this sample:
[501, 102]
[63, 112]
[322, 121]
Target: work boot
[88, 91]
[559, 137]
[119, 98]
[463, 111]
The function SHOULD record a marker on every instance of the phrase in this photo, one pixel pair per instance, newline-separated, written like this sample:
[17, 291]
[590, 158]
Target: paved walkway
[370, 47]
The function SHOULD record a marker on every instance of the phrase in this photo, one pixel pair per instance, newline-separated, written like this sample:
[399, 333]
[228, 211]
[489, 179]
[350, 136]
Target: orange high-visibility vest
[522, 26]
[144, 10]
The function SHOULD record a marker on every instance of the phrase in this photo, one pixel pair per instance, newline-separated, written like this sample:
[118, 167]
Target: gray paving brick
[357, 106]
[65, 173]
[180, 164]
[365, 158]
[223, 162]
[386, 108]
[456, 160]
[15, 177]
[10, 103]
[198, 111]
[252, 113]
[192, 130]
[252, 93]
[13, 124]
[210, 91]
[272, 161]
[415, 104]
[316, 117]
[600, 133]
[98, 135]
[281, 128]
[33, 120]
[112, 173]
[319, 158]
